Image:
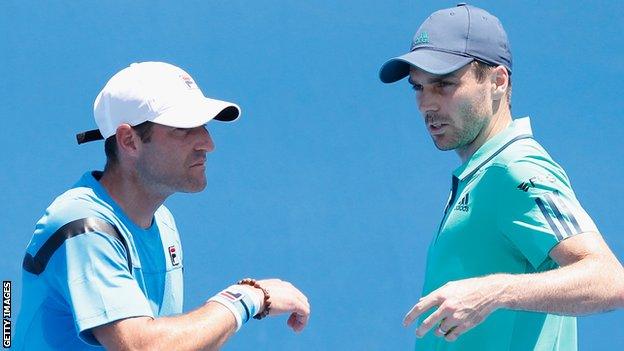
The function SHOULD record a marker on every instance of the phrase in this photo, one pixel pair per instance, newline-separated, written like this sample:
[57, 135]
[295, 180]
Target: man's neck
[134, 198]
[499, 122]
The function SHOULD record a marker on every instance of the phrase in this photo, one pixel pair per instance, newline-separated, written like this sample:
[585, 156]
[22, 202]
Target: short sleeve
[91, 273]
[537, 207]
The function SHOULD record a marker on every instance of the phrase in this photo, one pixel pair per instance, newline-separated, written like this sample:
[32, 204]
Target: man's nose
[205, 144]
[427, 101]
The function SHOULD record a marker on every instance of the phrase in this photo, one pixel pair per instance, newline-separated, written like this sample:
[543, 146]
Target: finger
[296, 306]
[440, 330]
[446, 326]
[300, 311]
[292, 322]
[423, 305]
[297, 322]
[300, 296]
[430, 322]
[302, 318]
[302, 305]
[453, 334]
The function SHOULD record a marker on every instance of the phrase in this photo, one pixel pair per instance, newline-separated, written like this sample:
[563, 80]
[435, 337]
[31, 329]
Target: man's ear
[500, 80]
[128, 142]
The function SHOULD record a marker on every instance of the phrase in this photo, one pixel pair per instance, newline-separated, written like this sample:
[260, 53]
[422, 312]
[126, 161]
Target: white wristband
[240, 301]
[255, 299]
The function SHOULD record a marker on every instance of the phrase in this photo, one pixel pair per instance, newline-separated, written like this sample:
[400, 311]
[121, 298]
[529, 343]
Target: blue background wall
[329, 179]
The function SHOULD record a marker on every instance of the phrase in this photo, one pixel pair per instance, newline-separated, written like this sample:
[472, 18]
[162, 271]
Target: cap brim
[198, 112]
[431, 61]
[194, 113]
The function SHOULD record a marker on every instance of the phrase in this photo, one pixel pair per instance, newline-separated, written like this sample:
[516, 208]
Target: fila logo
[189, 82]
[174, 256]
[462, 205]
[232, 296]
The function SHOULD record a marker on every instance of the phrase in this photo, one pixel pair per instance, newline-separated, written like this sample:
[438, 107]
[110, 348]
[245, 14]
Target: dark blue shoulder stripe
[558, 215]
[548, 217]
[37, 264]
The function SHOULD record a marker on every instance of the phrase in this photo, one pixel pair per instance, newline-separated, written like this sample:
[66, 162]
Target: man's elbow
[619, 281]
[127, 335]
[612, 274]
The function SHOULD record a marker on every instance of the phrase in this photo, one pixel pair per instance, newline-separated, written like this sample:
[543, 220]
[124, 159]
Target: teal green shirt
[510, 204]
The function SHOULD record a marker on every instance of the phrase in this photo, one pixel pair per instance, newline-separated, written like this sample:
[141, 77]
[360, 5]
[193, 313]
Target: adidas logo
[422, 38]
[540, 179]
[524, 186]
[462, 205]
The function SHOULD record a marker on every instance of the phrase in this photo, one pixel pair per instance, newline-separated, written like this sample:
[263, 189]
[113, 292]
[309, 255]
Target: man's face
[456, 107]
[174, 160]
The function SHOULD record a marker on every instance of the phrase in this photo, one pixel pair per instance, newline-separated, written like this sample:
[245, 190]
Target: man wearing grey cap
[515, 256]
[104, 266]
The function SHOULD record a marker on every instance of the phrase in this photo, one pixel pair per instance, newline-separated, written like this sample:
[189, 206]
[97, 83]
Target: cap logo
[422, 38]
[189, 82]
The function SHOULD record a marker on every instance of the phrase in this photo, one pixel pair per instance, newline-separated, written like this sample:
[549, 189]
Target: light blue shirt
[87, 282]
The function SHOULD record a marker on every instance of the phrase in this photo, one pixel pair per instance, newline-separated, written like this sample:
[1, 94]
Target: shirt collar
[92, 180]
[518, 129]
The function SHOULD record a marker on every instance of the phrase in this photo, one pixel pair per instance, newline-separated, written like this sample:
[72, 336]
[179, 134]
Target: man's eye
[445, 84]
[417, 87]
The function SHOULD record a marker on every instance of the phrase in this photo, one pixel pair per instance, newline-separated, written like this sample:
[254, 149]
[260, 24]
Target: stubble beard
[473, 120]
[168, 181]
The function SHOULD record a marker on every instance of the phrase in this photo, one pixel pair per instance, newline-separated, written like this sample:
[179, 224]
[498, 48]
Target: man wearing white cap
[515, 257]
[104, 265]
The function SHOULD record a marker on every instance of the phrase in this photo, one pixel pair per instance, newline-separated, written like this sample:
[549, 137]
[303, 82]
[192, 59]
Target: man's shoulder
[526, 165]
[526, 157]
[519, 150]
[76, 203]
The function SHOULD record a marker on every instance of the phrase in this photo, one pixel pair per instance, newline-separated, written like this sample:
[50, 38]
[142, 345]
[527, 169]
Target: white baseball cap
[158, 92]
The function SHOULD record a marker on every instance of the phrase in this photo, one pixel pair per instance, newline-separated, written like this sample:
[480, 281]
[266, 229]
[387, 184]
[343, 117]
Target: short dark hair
[144, 130]
[481, 69]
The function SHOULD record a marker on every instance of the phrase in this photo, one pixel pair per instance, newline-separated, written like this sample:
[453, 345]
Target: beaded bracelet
[267, 297]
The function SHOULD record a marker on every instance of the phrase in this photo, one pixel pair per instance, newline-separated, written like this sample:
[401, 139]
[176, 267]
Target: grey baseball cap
[450, 39]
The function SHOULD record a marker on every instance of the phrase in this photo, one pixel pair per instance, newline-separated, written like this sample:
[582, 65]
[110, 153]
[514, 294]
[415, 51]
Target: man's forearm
[590, 280]
[209, 326]
[206, 328]
[587, 286]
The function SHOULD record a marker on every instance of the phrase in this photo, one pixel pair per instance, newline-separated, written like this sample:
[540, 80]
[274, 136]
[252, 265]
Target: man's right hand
[286, 298]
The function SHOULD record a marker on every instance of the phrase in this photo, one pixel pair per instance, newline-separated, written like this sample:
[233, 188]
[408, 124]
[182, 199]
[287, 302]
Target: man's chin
[442, 146]
[194, 187]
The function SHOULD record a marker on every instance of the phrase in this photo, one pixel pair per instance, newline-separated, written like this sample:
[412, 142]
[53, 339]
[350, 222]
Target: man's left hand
[462, 305]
